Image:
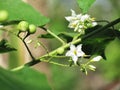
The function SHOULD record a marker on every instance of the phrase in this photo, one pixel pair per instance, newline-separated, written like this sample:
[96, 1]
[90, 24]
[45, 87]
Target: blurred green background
[60, 78]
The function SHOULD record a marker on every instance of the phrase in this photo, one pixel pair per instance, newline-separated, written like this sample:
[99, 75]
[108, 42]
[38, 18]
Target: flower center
[74, 25]
[75, 52]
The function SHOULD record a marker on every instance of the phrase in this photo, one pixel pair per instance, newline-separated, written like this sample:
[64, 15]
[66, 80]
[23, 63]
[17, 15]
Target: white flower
[96, 59]
[73, 19]
[75, 52]
[80, 22]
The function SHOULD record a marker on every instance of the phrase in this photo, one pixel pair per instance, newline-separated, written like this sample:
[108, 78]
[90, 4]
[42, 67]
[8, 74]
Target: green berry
[3, 15]
[23, 26]
[32, 28]
[60, 50]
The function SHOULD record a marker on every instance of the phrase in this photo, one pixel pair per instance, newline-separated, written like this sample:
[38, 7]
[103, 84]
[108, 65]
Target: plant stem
[54, 35]
[55, 63]
[28, 50]
[102, 28]
[23, 40]
[68, 44]
[43, 46]
[65, 46]
[84, 37]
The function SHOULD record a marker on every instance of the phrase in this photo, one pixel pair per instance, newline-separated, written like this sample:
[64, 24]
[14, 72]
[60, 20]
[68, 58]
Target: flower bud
[23, 26]
[60, 50]
[96, 59]
[91, 67]
[32, 29]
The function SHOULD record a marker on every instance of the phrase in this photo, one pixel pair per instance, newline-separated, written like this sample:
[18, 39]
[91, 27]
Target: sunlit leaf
[19, 10]
[85, 5]
[25, 79]
[5, 46]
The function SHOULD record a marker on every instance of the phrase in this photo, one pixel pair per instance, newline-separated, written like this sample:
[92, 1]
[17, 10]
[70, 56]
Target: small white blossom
[80, 22]
[75, 52]
[96, 59]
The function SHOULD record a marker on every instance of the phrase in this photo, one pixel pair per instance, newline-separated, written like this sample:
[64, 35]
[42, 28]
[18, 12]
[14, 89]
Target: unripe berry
[32, 29]
[60, 50]
[23, 26]
[3, 15]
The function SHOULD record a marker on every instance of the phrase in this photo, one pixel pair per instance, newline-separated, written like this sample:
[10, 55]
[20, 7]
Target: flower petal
[79, 16]
[69, 53]
[85, 17]
[75, 58]
[73, 12]
[80, 53]
[79, 47]
[69, 18]
[72, 47]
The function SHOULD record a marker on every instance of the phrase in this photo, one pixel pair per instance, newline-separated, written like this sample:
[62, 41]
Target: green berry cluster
[24, 26]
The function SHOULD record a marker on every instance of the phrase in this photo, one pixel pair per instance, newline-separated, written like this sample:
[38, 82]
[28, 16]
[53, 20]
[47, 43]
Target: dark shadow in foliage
[5, 46]
[97, 43]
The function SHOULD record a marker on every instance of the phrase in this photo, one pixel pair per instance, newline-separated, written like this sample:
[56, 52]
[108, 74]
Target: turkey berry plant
[79, 51]
[82, 45]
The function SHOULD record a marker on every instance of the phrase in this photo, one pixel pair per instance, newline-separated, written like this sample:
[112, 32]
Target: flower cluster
[88, 65]
[76, 52]
[80, 22]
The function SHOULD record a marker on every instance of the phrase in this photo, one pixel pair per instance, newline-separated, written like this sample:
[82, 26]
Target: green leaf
[85, 5]
[25, 79]
[5, 46]
[111, 68]
[19, 10]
